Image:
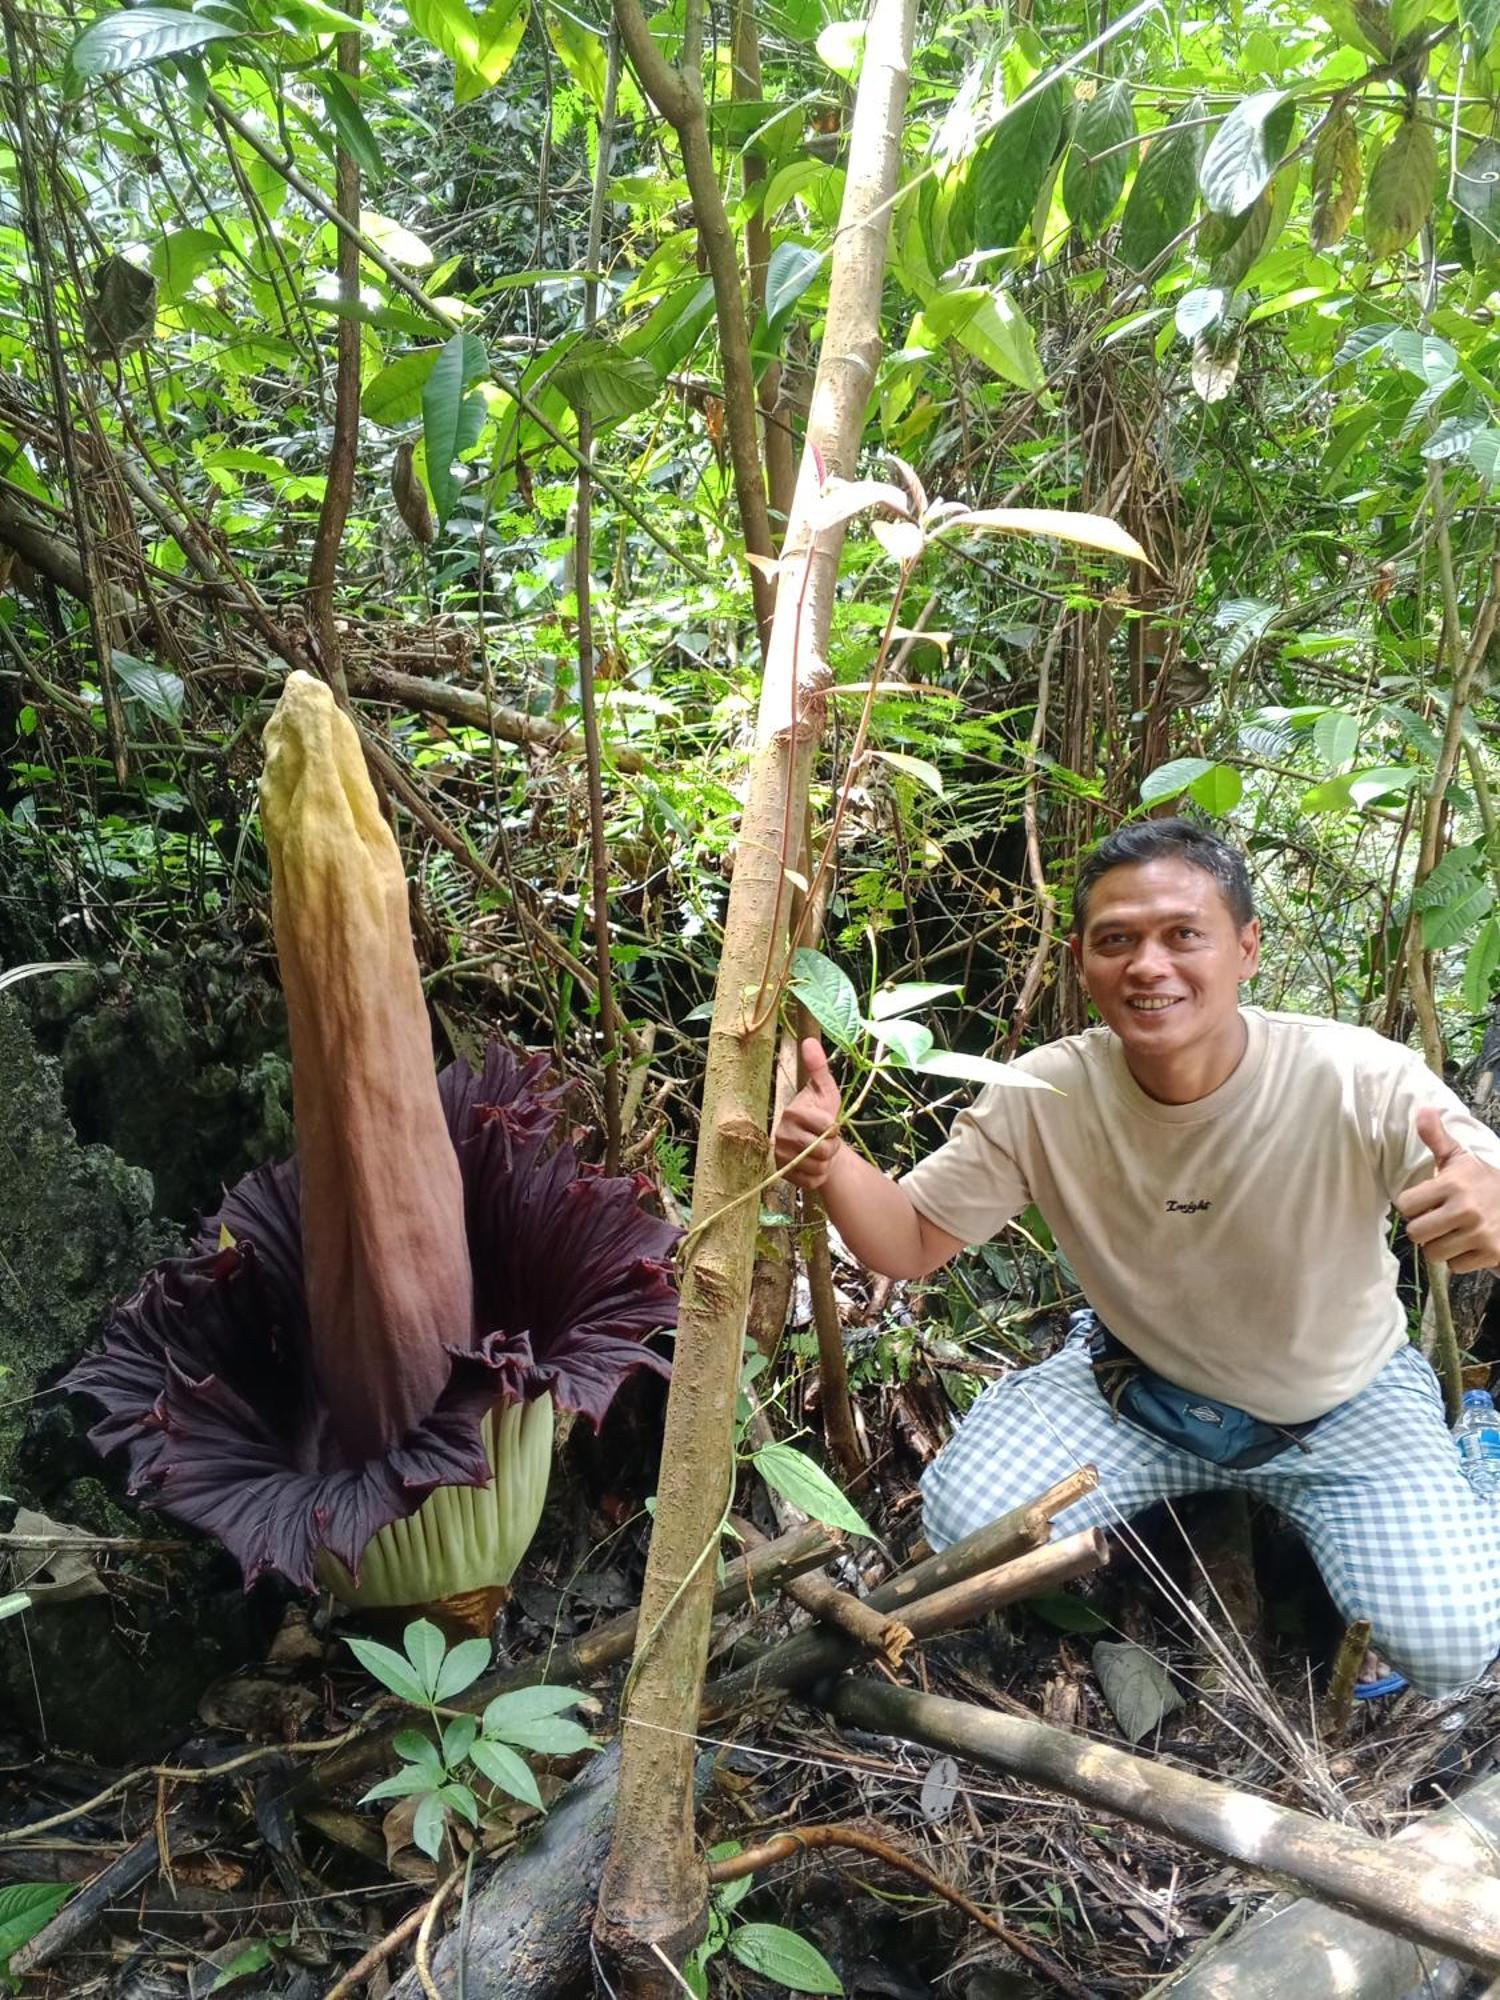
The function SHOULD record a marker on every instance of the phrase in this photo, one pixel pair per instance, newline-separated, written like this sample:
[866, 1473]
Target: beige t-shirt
[1237, 1245]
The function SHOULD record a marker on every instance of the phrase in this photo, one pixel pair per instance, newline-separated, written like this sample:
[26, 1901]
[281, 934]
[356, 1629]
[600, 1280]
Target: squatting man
[1221, 1179]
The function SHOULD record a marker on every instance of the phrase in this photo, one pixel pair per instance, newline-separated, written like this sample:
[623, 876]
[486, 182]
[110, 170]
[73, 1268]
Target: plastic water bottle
[1477, 1436]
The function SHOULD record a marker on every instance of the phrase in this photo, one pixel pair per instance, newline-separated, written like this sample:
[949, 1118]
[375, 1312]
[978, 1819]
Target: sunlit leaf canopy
[1226, 283]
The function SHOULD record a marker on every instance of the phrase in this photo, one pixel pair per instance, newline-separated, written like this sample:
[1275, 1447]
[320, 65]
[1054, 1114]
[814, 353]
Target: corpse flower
[351, 1377]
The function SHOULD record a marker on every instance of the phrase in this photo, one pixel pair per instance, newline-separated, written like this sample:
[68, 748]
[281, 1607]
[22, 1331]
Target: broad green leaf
[155, 688]
[1089, 531]
[989, 324]
[550, 1736]
[1095, 169]
[598, 376]
[1160, 204]
[1246, 151]
[791, 269]
[1380, 780]
[459, 1732]
[910, 1041]
[827, 994]
[255, 1957]
[841, 45]
[400, 244]
[1006, 174]
[427, 1825]
[442, 423]
[530, 1704]
[1481, 966]
[504, 1768]
[913, 767]
[1403, 182]
[463, 1666]
[417, 1747]
[407, 1783]
[393, 396]
[1169, 781]
[460, 1799]
[138, 35]
[784, 1958]
[581, 51]
[349, 122]
[1453, 437]
[1330, 796]
[980, 1069]
[25, 1909]
[426, 1649]
[1484, 453]
[1454, 920]
[792, 1474]
[1482, 19]
[181, 256]
[1336, 737]
[498, 32]
[1453, 876]
[449, 26]
[1337, 176]
[1219, 790]
[1476, 195]
[893, 1000]
[1067, 1614]
[674, 326]
[1424, 355]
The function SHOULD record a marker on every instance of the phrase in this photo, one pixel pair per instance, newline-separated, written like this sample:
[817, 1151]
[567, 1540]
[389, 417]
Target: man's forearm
[876, 1219]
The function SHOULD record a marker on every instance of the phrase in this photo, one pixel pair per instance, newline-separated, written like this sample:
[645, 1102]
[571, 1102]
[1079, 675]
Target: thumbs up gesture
[806, 1138]
[1454, 1215]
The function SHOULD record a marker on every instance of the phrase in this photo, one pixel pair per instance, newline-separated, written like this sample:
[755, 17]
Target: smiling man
[1221, 1178]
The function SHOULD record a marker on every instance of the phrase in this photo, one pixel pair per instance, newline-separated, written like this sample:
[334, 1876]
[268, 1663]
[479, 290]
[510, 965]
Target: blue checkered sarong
[1379, 1497]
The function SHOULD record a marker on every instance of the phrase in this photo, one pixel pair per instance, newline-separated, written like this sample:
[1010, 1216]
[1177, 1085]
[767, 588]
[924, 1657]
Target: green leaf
[498, 32]
[394, 395]
[1337, 176]
[530, 1704]
[989, 324]
[784, 1958]
[1484, 453]
[1067, 1614]
[581, 52]
[1481, 966]
[1380, 780]
[1246, 151]
[138, 35]
[1453, 437]
[979, 1069]
[913, 767]
[1403, 182]
[426, 1649]
[1169, 781]
[463, 1666]
[349, 122]
[893, 1000]
[792, 1474]
[400, 244]
[1007, 172]
[910, 1040]
[25, 1909]
[254, 1958]
[447, 425]
[1136, 1685]
[181, 256]
[1200, 309]
[459, 1733]
[406, 1783]
[827, 994]
[504, 1768]
[1482, 19]
[598, 376]
[417, 1747]
[427, 1825]
[1160, 204]
[1095, 169]
[390, 1668]
[1454, 920]
[791, 269]
[155, 688]
[841, 45]
[1218, 790]
[550, 1736]
[1336, 737]
[461, 1799]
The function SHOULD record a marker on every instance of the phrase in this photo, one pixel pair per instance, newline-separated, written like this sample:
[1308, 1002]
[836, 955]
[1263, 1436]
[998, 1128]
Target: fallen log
[1302, 1949]
[1435, 1905]
[813, 1655]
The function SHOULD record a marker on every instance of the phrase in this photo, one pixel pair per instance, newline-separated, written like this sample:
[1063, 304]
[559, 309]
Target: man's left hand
[1456, 1214]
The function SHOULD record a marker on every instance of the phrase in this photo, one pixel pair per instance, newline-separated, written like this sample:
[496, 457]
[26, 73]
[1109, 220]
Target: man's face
[1162, 957]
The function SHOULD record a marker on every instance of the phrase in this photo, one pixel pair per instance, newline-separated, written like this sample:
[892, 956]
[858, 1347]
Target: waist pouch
[1219, 1432]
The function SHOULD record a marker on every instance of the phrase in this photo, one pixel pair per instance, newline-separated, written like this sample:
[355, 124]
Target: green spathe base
[462, 1538]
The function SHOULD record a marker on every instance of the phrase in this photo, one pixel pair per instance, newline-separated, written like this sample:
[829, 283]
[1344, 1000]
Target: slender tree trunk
[776, 430]
[653, 1898]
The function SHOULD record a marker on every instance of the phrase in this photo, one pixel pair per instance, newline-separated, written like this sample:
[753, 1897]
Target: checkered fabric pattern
[1379, 1497]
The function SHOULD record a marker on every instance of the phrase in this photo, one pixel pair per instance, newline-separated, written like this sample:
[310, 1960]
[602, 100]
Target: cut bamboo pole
[1447, 1908]
[887, 1638]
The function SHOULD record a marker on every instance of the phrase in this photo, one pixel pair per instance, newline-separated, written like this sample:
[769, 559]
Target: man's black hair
[1167, 840]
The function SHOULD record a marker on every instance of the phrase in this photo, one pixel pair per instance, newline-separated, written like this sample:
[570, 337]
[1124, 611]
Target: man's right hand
[809, 1124]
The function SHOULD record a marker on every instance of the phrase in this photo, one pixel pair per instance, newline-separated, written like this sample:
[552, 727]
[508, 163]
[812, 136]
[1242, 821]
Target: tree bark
[1449, 1909]
[654, 1891]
